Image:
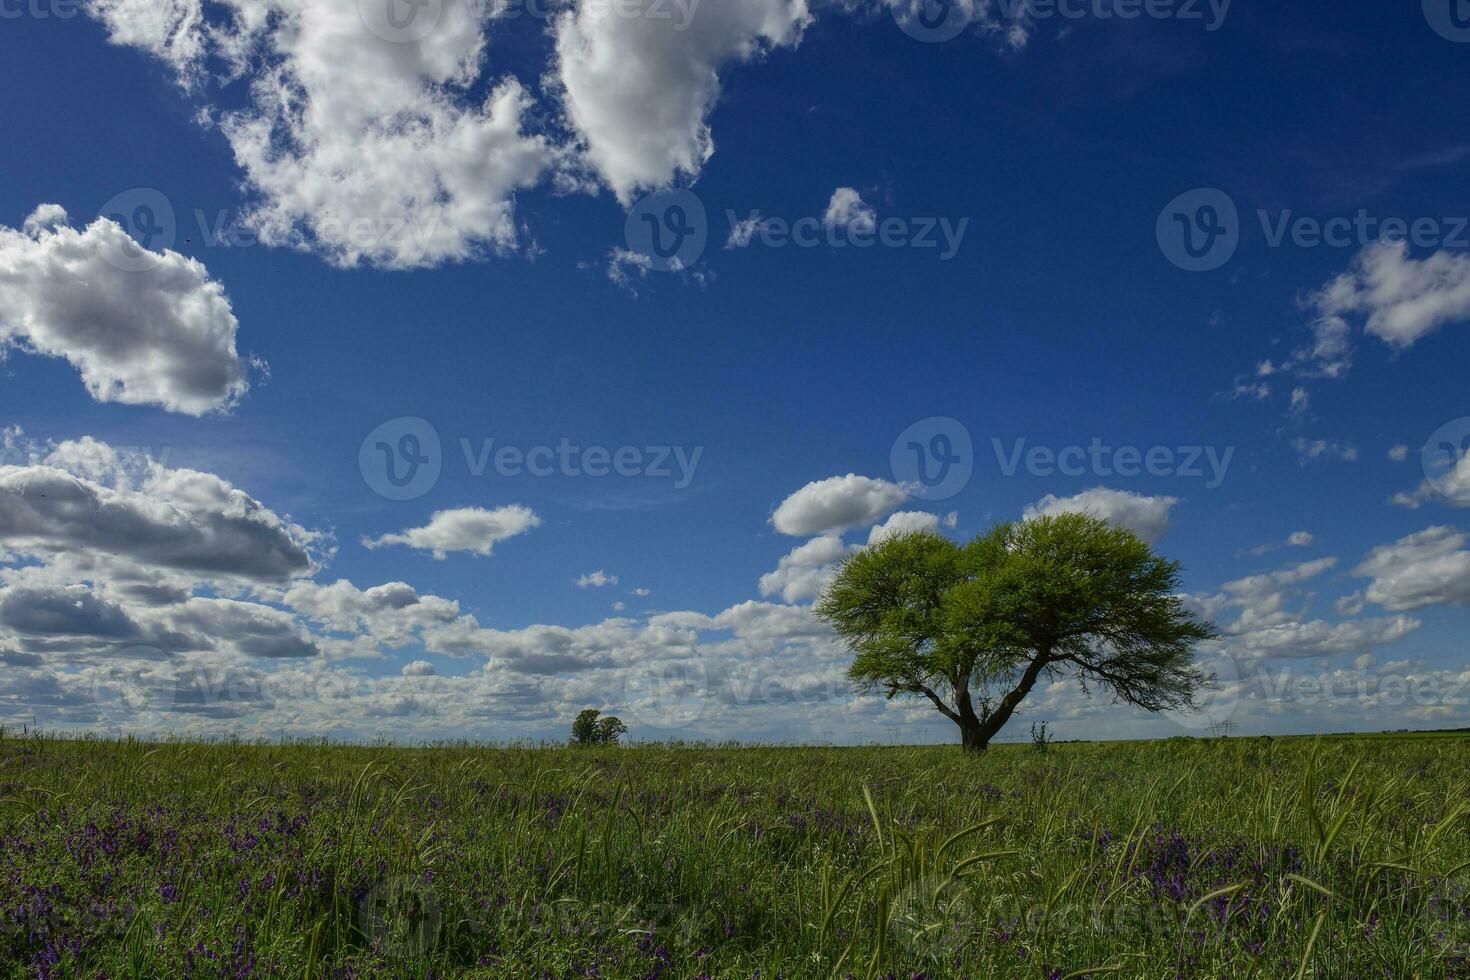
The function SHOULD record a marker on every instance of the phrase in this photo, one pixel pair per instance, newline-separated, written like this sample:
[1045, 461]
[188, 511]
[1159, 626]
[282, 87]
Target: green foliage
[610, 729]
[973, 627]
[1243, 857]
[588, 729]
[584, 728]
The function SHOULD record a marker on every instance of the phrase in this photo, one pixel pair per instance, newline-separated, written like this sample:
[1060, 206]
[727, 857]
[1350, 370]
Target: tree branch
[938, 703]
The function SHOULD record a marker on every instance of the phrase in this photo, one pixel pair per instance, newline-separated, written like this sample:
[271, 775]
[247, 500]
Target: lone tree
[973, 627]
[588, 729]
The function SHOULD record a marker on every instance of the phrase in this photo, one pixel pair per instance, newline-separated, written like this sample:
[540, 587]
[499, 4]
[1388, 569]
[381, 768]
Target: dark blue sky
[1060, 320]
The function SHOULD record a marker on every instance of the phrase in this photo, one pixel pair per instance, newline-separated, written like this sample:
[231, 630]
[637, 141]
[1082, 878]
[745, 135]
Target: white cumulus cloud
[596, 580]
[364, 150]
[836, 504]
[141, 327]
[1431, 567]
[638, 90]
[849, 212]
[474, 530]
[1147, 516]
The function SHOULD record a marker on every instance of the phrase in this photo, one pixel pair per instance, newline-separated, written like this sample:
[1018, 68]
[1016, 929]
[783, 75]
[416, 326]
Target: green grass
[1340, 857]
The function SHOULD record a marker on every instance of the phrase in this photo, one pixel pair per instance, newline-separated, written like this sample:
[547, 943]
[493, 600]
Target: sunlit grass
[1340, 857]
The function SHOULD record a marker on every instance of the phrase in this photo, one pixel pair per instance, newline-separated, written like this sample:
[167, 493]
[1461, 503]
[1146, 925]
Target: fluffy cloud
[638, 90]
[470, 529]
[1320, 639]
[836, 504]
[909, 521]
[142, 328]
[1429, 568]
[1402, 300]
[69, 611]
[1147, 516]
[1271, 618]
[848, 212]
[249, 629]
[596, 580]
[82, 498]
[365, 150]
[1398, 299]
[1258, 585]
[807, 569]
[1262, 598]
[393, 615]
[1451, 488]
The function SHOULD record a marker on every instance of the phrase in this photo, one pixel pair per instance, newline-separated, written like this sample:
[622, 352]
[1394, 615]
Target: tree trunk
[972, 740]
[971, 736]
[976, 733]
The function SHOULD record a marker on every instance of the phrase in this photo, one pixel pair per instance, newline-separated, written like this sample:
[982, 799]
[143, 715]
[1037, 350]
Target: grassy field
[1190, 858]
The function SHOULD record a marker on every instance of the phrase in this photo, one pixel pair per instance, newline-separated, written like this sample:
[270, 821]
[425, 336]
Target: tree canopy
[973, 627]
[589, 729]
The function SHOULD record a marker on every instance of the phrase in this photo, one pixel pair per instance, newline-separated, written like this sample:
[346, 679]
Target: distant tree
[588, 729]
[610, 729]
[584, 729]
[974, 627]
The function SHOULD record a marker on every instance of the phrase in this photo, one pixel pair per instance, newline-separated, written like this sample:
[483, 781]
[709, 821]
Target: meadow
[1236, 857]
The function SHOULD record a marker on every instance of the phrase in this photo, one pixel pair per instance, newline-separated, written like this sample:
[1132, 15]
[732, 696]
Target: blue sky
[436, 227]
